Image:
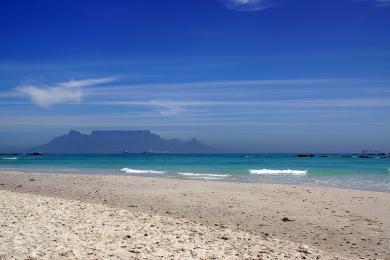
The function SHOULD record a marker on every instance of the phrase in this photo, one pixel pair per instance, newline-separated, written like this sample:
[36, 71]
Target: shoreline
[301, 181]
[352, 223]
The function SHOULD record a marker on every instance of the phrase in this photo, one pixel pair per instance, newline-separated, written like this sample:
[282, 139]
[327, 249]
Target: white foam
[9, 158]
[203, 175]
[278, 172]
[128, 170]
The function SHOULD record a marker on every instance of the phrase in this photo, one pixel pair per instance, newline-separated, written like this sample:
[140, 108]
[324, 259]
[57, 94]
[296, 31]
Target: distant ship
[125, 151]
[372, 153]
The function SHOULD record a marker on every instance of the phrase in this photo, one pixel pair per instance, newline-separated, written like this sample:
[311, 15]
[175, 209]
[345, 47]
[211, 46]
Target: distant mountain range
[114, 142]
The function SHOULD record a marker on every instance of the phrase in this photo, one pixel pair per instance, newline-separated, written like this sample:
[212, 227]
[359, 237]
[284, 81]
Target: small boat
[371, 154]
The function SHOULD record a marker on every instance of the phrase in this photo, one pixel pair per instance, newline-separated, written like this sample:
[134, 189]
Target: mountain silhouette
[114, 142]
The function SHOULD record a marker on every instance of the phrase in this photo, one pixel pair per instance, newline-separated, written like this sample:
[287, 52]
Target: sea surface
[335, 170]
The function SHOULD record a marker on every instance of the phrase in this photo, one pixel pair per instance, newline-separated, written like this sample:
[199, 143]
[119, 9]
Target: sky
[240, 75]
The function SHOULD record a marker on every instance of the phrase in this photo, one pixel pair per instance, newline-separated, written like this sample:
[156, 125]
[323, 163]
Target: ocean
[334, 170]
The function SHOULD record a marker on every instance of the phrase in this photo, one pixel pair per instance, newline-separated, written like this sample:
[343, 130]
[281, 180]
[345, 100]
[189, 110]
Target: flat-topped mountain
[111, 142]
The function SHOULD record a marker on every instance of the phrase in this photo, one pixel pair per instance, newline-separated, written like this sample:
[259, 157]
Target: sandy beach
[50, 228]
[94, 216]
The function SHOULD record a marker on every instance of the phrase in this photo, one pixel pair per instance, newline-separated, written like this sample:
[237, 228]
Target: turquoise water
[332, 170]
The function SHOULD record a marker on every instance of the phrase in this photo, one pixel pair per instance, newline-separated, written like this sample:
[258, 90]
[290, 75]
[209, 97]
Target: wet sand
[355, 224]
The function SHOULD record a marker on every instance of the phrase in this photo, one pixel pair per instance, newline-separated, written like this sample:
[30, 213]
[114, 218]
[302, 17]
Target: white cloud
[246, 5]
[46, 97]
[62, 92]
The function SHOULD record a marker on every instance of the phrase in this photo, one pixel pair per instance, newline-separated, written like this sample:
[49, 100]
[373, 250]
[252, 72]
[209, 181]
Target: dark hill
[111, 142]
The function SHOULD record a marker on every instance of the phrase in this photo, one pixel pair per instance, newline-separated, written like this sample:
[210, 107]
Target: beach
[51, 228]
[97, 216]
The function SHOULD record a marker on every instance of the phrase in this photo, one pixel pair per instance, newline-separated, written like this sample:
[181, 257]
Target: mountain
[113, 142]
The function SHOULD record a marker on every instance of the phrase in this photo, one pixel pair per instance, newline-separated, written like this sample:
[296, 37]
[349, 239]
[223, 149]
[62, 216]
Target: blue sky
[242, 75]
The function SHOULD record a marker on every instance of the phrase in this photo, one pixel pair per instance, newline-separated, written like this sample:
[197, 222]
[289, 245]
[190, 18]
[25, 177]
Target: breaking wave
[278, 172]
[128, 170]
[9, 158]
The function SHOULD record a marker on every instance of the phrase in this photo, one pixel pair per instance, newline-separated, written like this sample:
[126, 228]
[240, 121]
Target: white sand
[51, 228]
[351, 223]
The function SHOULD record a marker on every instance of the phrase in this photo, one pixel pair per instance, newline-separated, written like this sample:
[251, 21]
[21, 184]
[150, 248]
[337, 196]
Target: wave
[278, 172]
[128, 170]
[206, 176]
[10, 158]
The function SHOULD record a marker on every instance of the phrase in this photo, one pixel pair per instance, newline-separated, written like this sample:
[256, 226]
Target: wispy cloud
[258, 5]
[86, 82]
[175, 107]
[141, 121]
[167, 108]
[246, 5]
[173, 99]
[383, 3]
[378, 3]
[223, 84]
[70, 91]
